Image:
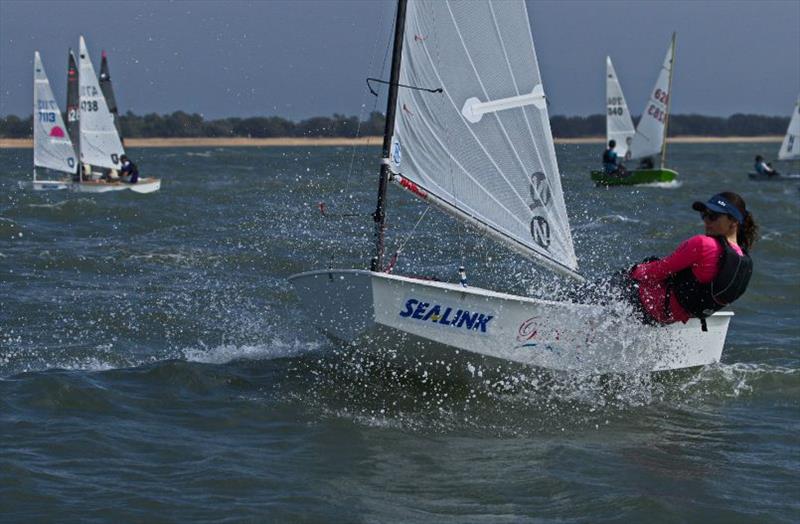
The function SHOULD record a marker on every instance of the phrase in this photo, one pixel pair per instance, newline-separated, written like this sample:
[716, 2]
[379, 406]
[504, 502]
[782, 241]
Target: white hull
[387, 311]
[145, 185]
[48, 185]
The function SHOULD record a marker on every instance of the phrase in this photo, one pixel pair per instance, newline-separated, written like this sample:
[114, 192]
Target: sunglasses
[711, 215]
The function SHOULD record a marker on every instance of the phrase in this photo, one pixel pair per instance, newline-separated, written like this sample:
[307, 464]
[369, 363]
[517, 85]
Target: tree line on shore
[184, 125]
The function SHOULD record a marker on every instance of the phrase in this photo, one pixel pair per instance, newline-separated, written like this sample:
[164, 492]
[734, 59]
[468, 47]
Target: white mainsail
[651, 131]
[482, 149]
[52, 148]
[790, 148]
[100, 143]
[619, 125]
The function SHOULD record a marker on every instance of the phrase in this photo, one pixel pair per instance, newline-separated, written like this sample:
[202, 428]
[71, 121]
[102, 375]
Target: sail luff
[379, 216]
[669, 101]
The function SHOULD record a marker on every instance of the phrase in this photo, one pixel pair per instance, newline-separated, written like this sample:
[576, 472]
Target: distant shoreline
[10, 143]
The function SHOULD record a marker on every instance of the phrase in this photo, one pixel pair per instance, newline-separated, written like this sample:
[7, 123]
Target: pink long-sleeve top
[701, 253]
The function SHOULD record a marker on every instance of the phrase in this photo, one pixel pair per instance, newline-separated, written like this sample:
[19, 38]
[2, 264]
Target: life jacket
[131, 170]
[702, 300]
[609, 157]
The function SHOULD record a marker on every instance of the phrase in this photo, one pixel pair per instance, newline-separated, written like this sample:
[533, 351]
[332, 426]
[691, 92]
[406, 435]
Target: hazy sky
[309, 57]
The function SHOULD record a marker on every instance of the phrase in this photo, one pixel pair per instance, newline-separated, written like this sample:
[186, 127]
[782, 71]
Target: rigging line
[487, 225]
[409, 236]
[398, 84]
[378, 34]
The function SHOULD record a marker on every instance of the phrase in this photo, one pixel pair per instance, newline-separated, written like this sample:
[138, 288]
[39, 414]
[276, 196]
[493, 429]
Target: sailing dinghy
[481, 149]
[52, 147]
[790, 147]
[100, 145]
[650, 138]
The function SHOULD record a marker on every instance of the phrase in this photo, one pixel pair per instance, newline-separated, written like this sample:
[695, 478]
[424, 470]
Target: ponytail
[746, 233]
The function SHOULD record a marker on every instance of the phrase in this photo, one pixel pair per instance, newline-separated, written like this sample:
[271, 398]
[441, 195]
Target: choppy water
[154, 364]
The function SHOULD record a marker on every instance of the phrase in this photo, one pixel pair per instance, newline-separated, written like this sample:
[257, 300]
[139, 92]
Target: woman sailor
[706, 272]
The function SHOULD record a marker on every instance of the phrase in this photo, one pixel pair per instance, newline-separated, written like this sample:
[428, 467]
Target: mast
[35, 113]
[108, 93]
[380, 213]
[669, 99]
[73, 110]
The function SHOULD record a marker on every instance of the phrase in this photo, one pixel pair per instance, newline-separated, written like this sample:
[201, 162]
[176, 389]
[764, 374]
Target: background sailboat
[619, 125]
[52, 148]
[469, 133]
[650, 140]
[100, 143]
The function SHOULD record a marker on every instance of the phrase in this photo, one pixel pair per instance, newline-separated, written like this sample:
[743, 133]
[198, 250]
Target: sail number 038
[89, 105]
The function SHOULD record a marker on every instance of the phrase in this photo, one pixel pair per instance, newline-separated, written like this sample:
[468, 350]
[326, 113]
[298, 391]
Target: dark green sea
[155, 365]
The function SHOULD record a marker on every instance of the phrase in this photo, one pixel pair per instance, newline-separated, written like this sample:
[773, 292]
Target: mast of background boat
[669, 99]
[73, 110]
[380, 214]
[35, 115]
[108, 93]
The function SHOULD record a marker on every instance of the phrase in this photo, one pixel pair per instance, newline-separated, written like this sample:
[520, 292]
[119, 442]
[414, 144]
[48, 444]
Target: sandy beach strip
[8, 143]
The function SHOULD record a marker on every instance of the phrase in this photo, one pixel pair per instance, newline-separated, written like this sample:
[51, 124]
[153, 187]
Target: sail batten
[483, 146]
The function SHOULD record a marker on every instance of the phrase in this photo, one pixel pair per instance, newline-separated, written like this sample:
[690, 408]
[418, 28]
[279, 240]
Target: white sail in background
[52, 148]
[482, 149]
[619, 125]
[650, 133]
[100, 143]
[790, 148]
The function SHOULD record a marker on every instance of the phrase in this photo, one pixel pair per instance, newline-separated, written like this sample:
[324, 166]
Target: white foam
[225, 353]
[672, 184]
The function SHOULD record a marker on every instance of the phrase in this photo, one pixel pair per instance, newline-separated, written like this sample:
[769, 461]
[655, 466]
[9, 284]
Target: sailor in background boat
[706, 272]
[646, 163]
[611, 165]
[129, 171]
[764, 168]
